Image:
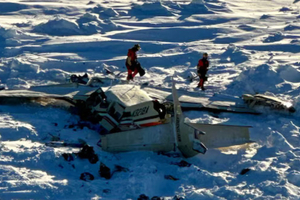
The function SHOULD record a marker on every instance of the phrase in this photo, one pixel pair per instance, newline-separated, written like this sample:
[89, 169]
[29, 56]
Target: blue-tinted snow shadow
[197, 20]
[194, 8]
[146, 62]
[7, 8]
[292, 48]
[93, 50]
[173, 34]
[2, 45]
[149, 10]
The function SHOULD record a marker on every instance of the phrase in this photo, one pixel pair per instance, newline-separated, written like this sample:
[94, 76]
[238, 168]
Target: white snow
[253, 46]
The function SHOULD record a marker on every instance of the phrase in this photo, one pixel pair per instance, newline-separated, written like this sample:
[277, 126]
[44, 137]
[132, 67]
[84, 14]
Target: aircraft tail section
[194, 138]
[185, 136]
[218, 135]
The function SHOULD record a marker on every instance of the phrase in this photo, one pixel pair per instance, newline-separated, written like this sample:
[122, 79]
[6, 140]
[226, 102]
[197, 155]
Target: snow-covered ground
[253, 46]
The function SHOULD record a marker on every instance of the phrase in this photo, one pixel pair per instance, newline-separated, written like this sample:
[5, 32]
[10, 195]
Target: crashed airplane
[133, 119]
[174, 133]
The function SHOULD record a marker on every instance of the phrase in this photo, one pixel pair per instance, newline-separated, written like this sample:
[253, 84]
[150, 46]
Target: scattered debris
[119, 168]
[54, 137]
[156, 198]
[176, 197]
[104, 171]
[170, 177]
[68, 157]
[170, 154]
[89, 153]
[93, 159]
[143, 197]
[182, 163]
[63, 144]
[106, 191]
[86, 176]
[79, 79]
[244, 171]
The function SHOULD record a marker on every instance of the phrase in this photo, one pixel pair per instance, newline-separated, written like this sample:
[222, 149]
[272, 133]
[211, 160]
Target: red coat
[132, 55]
[203, 64]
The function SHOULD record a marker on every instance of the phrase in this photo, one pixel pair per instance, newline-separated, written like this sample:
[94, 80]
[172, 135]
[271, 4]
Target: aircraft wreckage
[145, 118]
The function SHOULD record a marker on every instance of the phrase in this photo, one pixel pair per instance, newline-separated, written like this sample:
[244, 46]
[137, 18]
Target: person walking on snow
[132, 65]
[202, 69]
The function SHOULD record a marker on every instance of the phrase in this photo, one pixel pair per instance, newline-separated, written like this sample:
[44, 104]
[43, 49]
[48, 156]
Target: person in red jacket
[132, 64]
[202, 69]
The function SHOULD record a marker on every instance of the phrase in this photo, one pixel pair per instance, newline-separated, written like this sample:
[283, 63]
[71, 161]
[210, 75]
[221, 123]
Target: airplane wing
[198, 101]
[68, 92]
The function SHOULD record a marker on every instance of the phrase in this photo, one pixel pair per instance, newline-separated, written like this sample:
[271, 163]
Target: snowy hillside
[253, 47]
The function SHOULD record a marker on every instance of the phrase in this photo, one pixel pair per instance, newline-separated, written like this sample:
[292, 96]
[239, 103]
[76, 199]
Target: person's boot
[202, 88]
[129, 77]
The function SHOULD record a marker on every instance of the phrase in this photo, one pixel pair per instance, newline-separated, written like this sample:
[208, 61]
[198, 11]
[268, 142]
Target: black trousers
[202, 76]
